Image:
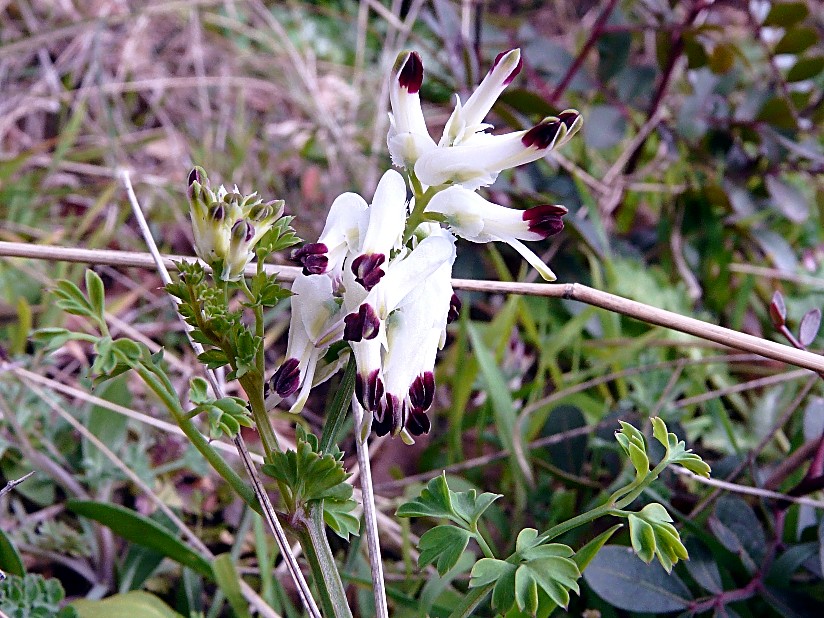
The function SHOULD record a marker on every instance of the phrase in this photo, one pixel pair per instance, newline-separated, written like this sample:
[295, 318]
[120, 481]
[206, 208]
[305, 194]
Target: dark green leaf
[735, 524]
[806, 68]
[442, 546]
[620, 578]
[796, 41]
[143, 531]
[10, 560]
[434, 501]
[213, 359]
[786, 14]
[702, 566]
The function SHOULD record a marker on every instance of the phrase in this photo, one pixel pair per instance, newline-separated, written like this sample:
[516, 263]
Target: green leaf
[97, 294]
[229, 582]
[806, 68]
[584, 556]
[136, 604]
[621, 579]
[554, 575]
[442, 546]
[10, 560]
[435, 501]
[526, 590]
[488, 570]
[502, 406]
[107, 425]
[336, 415]
[199, 391]
[786, 14]
[53, 338]
[639, 460]
[309, 475]
[143, 531]
[796, 40]
[652, 533]
[213, 359]
[338, 516]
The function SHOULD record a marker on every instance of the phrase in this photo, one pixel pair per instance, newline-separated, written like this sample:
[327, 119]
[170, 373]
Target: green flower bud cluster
[227, 225]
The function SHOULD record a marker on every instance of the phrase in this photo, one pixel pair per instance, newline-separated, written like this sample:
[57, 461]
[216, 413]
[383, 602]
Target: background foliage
[696, 186]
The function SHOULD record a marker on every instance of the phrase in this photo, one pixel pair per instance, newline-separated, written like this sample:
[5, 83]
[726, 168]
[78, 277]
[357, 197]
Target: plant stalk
[369, 519]
[312, 535]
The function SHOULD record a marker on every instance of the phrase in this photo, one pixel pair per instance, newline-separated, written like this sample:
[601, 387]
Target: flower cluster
[228, 225]
[379, 276]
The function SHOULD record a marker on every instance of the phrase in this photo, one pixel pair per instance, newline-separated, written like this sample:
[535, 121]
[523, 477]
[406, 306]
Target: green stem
[482, 542]
[312, 534]
[417, 216]
[198, 439]
[253, 385]
[471, 601]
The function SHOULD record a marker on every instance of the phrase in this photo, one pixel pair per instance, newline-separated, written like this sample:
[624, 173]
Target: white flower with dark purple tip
[467, 120]
[476, 162]
[365, 324]
[311, 330]
[414, 334]
[340, 233]
[408, 136]
[384, 228]
[478, 220]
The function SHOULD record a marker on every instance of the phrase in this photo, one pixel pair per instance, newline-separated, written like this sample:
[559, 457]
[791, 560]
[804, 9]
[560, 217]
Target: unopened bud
[242, 231]
[217, 213]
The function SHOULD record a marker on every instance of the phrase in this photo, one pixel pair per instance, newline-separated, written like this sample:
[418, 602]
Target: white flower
[368, 311]
[340, 233]
[466, 154]
[408, 136]
[315, 314]
[415, 332]
[383, 228]
[478, 220]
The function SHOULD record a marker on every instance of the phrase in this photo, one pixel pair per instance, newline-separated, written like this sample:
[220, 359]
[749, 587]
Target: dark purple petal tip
[455, 305]
[542, 135]
[287, 378]
[418, 422]
[364, 324]
[367, 269]
[422, 391]
[514, 72]
[411, 73]
[369, 391]
[546, 219]
[569, 117]
[312, 257]
[195, 175]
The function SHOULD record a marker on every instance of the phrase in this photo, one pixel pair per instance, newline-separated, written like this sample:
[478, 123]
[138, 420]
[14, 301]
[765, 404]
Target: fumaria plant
[374, 299]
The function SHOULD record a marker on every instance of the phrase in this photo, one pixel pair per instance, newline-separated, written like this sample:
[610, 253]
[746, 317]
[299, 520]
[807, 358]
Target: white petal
[477, 219]
[478, 105]
[387, 215]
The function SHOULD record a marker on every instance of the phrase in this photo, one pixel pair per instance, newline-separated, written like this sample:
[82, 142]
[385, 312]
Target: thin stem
[322, 563]
[369, 519]
[568, 291]
[482, 543]
[198, 440]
